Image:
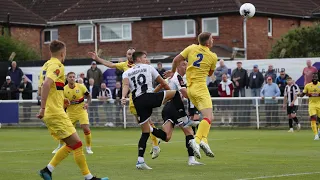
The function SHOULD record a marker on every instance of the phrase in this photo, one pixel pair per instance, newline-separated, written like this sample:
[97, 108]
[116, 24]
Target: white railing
[237, 111]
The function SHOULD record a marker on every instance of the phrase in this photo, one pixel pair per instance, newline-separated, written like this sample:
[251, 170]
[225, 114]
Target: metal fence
[250, 112]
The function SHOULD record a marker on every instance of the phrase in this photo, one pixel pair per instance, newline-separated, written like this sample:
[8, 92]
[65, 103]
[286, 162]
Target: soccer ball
[247, 10]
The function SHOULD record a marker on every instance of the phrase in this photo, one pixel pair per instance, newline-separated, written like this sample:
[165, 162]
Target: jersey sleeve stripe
[78, 101]
[59, 85]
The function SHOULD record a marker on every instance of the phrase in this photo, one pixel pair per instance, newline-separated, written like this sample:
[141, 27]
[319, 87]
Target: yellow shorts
[81, 117]
[314, 110]
[59, 126]
[131, 106]
[199, 96]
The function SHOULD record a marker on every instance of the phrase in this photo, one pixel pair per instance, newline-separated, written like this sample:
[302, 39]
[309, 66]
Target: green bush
[23, 52]
[298, 43]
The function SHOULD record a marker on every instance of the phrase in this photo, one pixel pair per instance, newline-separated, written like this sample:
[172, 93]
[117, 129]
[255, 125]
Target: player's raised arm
[163, 83]
[95, 57]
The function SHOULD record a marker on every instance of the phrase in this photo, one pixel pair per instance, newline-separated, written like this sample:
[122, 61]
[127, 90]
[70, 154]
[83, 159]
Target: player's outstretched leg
[73, 144]
[88, 137]
[61, 143]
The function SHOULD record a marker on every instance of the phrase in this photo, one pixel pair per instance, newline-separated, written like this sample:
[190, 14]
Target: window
[210, 25]
[85, 33]
[115, 32]
[50, 35]
[178, 28]
[269, 27]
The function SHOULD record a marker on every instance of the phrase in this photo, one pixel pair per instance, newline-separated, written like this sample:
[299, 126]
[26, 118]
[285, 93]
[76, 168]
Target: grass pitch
[240, 154]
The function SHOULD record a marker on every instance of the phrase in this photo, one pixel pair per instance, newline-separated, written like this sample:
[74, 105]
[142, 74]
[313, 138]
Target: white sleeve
[285, 91]
[179, 82]
[297, 89]
[125, 75]
[154, 72]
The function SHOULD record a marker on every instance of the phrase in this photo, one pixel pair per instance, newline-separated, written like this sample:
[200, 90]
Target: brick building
[157, 26]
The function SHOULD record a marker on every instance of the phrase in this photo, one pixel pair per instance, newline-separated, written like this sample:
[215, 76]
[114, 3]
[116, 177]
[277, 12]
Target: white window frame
[113, 40]
[215, 18]
[46, 30]
[185, 30]
[271, 29]
[85, 40]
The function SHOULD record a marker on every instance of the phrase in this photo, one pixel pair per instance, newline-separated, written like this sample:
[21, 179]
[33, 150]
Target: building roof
[18, 14]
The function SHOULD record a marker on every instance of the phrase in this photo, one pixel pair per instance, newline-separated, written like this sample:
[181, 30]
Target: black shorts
[169, 113]
[145, 103]
[292, 109]
[192, 110]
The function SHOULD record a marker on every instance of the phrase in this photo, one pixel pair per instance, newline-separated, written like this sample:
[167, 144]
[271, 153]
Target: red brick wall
[29, 35]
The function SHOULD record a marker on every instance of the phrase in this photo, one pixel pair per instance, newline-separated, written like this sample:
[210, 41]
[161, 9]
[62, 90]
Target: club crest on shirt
[77, 91]
[57, 72]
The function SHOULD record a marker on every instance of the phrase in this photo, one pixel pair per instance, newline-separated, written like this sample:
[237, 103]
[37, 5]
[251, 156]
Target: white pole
[257, 113]
[124, 117]
[95, 39]
[245, 38]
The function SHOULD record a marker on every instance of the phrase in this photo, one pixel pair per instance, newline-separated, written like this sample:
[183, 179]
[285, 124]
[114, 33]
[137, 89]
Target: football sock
[296, 120]
[142, 144]
[159, 133]
[88, 138]
[154, 139]
[59, 156]
[314, 127]
[290, 123]
[61, 143]
[189, 149]
[80, 159]
[203, 130]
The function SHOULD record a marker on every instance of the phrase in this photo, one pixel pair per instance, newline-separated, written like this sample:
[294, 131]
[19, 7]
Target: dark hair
[56, 46]
[203, 38]
[137, 54]
[289, 78]
[70, 73]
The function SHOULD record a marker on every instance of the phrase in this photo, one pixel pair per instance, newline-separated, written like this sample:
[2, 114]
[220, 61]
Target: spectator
[270, 73]
[213, 87]
[119, 72]
[95, 73]
[160, 69]
[80, 81]
[255, 81]
[16, 76]
[308, 72]
[93, 108]
[281, 81]
[9, 89]
[26, 90]
[271, 90]
[225, 90]
[105, 94]
[84, 79]
[222, 69]
[239, 77]
[116, 95]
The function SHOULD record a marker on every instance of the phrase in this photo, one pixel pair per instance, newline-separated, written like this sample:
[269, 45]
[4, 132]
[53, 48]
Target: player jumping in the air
[124, 66]
[290, 102]
[201, 64]
[313, 91]
[139, 80]
[56, 119]
[77, 108]
[170, 115]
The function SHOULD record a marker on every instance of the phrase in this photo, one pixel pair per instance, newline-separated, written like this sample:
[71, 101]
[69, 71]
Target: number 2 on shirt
[197, 62]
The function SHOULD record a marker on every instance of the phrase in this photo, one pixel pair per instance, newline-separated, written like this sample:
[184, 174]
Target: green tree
[23, 52]
[298, 43]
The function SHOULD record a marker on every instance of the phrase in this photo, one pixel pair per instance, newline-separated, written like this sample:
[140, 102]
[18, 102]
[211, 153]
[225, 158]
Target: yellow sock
[203, 131]
[61, 143]
[81, 160]
[88, 138]
[60, 155]
[314, 127]
[204, 139]
[154, 139]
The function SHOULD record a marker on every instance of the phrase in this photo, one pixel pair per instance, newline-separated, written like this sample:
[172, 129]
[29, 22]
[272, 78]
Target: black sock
[189, 149]
[143, 144]
[159, 133]
[290, 123]
[178, 104]
[296, 120]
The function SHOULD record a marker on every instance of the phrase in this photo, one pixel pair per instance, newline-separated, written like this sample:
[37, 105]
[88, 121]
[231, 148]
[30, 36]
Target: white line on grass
[282, 175]
[115, 145]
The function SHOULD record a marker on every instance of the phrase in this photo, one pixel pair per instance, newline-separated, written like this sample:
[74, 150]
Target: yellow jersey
[200, 61]
[42, 74]
[76, 98]
[123, 66]
[55, 101]
[313, 91]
